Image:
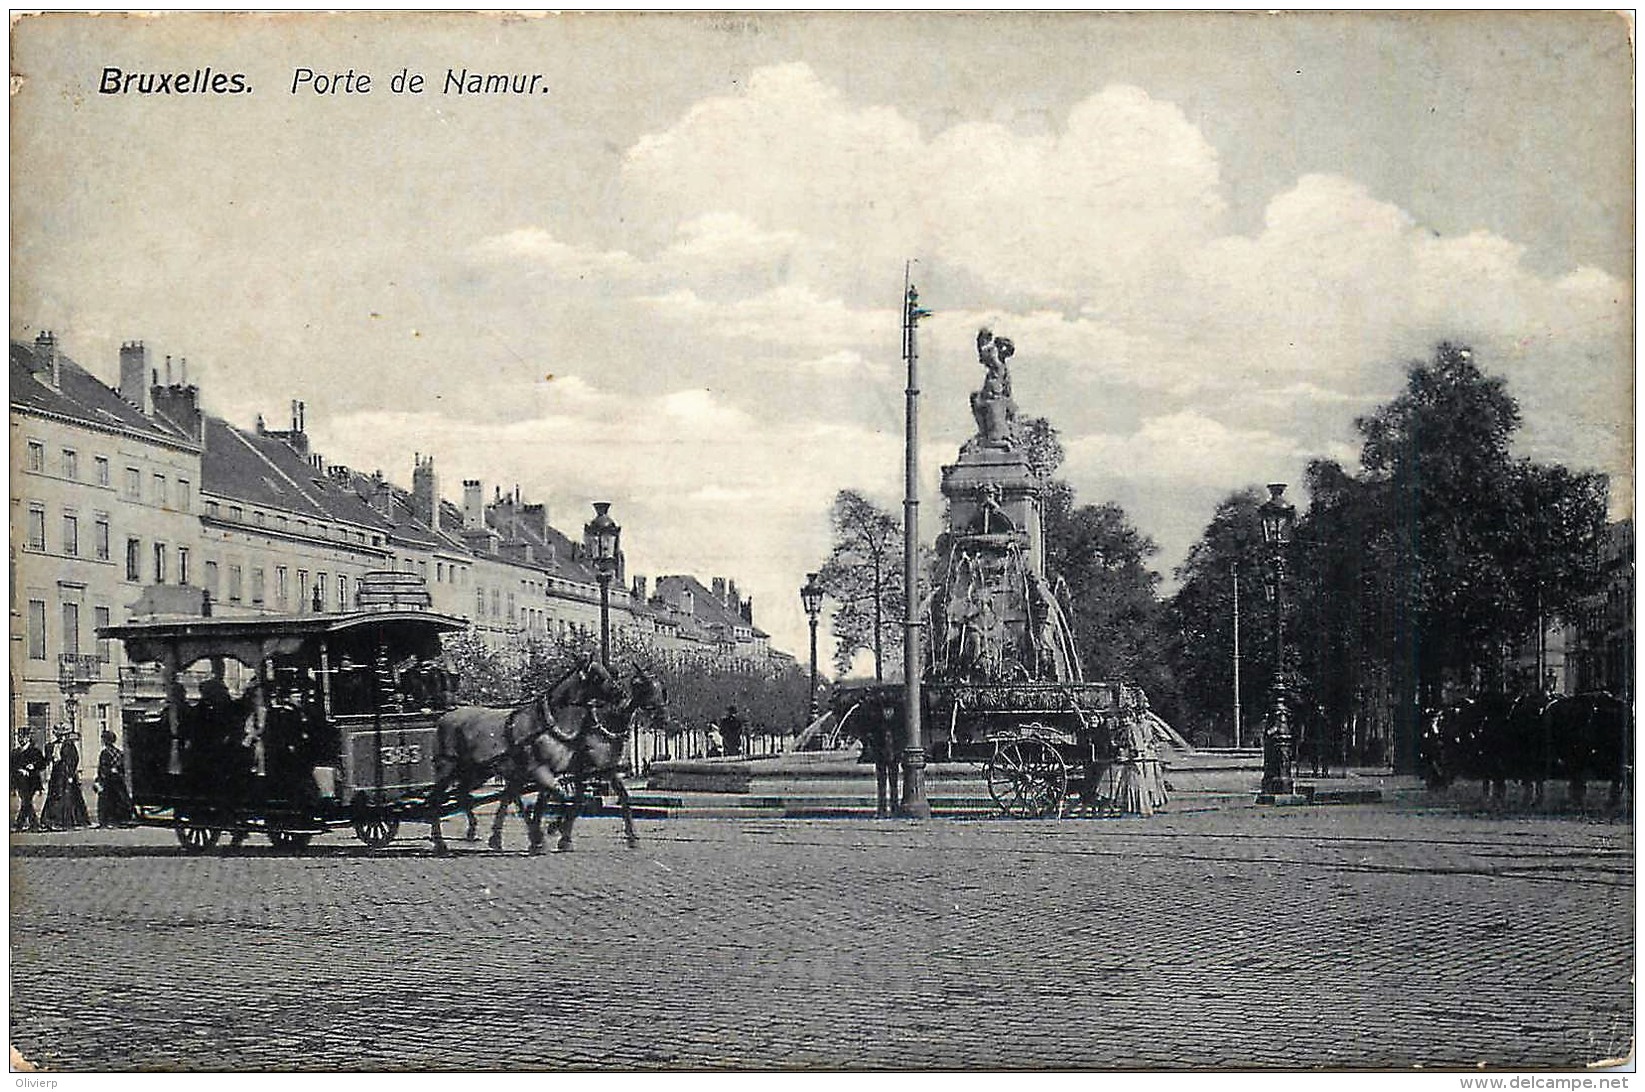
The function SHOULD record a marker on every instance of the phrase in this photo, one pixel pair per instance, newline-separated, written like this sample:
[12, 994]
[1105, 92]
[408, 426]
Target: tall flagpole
[914, 804]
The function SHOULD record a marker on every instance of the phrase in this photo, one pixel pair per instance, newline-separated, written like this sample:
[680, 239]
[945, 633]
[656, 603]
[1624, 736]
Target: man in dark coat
[731, 731]
[28, 763]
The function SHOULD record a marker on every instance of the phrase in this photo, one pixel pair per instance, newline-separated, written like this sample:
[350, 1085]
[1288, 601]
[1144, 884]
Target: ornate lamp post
[604, 538]
[1278, 745]
[812, 596]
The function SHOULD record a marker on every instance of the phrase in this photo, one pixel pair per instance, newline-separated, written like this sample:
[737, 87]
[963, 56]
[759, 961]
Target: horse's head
[646, 691]
[599, 684]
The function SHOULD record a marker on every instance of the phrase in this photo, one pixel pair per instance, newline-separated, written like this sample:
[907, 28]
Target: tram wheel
[289, 839]
[376, 831]
[1028, 779]
[197, 839]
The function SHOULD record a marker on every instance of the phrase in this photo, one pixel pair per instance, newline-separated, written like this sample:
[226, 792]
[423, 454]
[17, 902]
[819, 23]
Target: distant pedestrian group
[57, 771]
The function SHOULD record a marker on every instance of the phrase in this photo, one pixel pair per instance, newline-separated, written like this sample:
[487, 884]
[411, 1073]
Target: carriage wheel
[376, 831]
[197, 839]
[1028, 778]
[289, 839]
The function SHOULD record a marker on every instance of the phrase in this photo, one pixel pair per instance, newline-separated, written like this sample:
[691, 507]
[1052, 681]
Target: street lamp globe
[1278, 518]
[604, 539]
[812, 595]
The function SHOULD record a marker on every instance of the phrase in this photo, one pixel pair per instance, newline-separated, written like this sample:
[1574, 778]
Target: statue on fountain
[992, 406]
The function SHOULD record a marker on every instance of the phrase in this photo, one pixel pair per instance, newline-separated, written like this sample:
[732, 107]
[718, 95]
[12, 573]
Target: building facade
[134, 500]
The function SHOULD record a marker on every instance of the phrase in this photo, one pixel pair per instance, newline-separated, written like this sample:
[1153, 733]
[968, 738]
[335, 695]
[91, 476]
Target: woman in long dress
[113, 795]
[65, 807]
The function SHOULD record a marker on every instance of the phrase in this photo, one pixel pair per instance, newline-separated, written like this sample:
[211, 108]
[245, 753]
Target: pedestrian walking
[731, 731]
[65, 807]
[113, 795]
[28, 765]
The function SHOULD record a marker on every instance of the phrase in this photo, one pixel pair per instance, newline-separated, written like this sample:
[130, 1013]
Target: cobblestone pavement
[1327, 937]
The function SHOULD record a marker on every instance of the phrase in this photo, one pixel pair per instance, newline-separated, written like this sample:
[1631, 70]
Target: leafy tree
[863, 575]
[1102, 559]
[770, 696]
[1200, 622]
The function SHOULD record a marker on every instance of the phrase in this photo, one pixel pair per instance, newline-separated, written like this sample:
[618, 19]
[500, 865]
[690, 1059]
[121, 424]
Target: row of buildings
[119, 494]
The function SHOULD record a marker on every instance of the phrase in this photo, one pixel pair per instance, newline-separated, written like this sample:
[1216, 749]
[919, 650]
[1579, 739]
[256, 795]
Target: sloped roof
[709, 610]
[265, 470]
[82, 397]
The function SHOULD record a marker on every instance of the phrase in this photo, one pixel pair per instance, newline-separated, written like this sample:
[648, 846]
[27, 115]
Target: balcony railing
[79, 668]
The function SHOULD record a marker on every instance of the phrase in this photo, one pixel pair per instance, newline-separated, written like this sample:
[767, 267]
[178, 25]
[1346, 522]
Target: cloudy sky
[672, 281]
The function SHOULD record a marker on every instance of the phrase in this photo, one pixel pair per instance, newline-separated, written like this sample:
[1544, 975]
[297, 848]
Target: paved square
[1336, 937]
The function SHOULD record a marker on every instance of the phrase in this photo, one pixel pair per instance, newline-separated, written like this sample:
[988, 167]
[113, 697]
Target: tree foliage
[1102, 561]
[770, 695]
[1410, 581]
[864, 578]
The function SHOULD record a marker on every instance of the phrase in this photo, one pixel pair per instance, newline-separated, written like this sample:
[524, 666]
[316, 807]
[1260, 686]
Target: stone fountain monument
[994, 616]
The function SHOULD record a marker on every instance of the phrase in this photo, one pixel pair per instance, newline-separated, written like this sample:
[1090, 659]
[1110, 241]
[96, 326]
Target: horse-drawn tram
[285, 726]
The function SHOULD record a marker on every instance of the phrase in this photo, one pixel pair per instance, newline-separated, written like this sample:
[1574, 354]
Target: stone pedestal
[964, 483]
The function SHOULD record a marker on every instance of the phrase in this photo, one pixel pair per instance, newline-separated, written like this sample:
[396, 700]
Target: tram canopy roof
[252, 639]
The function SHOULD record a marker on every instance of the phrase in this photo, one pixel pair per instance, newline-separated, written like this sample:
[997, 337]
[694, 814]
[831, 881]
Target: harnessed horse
[594, 750]
[476, 744]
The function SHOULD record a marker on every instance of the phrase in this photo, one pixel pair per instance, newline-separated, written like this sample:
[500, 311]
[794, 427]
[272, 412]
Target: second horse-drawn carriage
[1045, 749]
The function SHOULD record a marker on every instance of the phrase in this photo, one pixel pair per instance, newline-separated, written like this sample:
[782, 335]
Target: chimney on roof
[425, 491]
[47, 362]
[718, 588]
[474, 516]
[535, 516]
[183, 379]
[134, 375]
[181, 406]
[639, 589]
[382, 496]
[748, 610]
[168, 369]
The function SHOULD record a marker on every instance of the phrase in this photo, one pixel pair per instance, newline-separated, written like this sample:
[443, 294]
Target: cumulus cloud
[737, 324]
